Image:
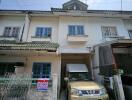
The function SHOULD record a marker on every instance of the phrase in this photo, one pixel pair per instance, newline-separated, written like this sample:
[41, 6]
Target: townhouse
[41, 43]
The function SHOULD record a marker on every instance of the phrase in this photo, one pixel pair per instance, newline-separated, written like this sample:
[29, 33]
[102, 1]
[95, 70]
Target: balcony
[77, 38]
[10, 38]
[45, 38]
[112, 37]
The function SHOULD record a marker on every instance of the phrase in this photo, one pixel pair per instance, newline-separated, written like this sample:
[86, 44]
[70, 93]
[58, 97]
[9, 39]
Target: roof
[119, 43]
[76, 68]
[11, 45]
[75, 3]
[61, 10]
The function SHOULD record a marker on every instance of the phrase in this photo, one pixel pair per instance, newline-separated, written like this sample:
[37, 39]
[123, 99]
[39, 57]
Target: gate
[23, 87]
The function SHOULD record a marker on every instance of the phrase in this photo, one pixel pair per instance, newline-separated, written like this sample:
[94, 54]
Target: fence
[21, 87]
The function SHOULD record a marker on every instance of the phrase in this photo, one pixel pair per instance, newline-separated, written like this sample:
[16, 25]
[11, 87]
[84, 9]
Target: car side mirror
[66, 79]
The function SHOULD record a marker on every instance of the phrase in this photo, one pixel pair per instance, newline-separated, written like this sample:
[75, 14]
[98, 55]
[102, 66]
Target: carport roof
[123, 43]
[119, 43]
[12, 45]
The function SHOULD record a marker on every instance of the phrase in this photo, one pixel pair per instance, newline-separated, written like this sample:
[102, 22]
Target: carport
[73, 58]
[122, 51]
[113, 56]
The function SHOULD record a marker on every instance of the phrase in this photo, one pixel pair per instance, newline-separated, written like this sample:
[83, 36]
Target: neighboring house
[41, 43]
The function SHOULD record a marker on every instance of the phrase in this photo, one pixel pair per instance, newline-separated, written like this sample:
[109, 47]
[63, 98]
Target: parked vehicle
[80, 86]
[127, 86]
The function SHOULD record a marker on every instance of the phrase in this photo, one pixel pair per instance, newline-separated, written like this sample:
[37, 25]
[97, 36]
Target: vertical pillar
[26, 28]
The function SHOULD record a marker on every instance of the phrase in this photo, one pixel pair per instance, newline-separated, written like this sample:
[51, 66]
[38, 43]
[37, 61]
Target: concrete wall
[92, 28]
[128, 25]
[13, 21]
[95, 60]
[43, 22]
[55, 61]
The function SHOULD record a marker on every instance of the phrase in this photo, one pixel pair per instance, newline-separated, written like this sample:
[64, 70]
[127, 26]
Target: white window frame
[10, 32]
[45, 32]
[107, 31]
[76, 30]
[130, 33]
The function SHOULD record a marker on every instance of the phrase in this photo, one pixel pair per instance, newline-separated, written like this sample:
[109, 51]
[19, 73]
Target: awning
[123, 43]
[12, 45]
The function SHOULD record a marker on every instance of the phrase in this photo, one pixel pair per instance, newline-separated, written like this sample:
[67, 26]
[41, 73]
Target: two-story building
[41, 43]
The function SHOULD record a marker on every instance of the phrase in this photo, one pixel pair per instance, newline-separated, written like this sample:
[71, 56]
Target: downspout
[25, 29]
[22, 32]
[28, 26]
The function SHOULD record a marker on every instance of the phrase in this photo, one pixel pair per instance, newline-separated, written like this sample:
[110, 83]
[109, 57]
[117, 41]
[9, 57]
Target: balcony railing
[112, 37]
[77, 38]
[12, 38]
[41, 38]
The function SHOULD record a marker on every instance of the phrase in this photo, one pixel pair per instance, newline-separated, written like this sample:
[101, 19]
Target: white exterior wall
[13, 21]
[92, 28]
[43, 22]
[128, 25]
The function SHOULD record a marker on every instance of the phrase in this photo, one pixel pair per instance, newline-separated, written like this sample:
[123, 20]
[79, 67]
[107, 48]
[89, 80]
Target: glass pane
[15, 31]
[41, 70]
[80, 30]
[113, 31]
[130, 33]
[49, 32]
[105, 31]
[39, 31]
[72, 30]
[36, 70]
[7, 31]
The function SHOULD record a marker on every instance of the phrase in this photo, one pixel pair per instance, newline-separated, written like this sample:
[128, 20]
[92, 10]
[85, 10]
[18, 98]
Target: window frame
[109, 33]
[45, 32]
[76, 30]
[130, 33]
[10, 32]
[41, 70]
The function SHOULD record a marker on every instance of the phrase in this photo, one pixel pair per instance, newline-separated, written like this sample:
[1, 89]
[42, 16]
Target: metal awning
[10, 45]
[119, 43]
[124, 43]
[77, 68]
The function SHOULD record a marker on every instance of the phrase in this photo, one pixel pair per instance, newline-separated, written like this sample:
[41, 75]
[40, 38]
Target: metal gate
[21, 87]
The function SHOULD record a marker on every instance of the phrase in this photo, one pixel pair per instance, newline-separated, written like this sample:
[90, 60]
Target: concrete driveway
[63, 95]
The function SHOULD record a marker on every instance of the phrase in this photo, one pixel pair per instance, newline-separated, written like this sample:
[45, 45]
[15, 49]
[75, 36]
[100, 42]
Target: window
[6, 67]
[41, 70]
[11, 32]
[130, 33]
[76, 30]
[109, 31]
[43, 32]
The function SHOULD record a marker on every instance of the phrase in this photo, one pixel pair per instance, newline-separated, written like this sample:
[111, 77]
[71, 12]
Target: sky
[47, 4]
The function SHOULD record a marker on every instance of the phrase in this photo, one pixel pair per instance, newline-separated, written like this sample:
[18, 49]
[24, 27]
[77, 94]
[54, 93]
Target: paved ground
[63, 95]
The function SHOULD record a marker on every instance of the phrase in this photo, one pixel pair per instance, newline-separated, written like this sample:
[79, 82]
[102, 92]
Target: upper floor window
[109, 31]
[76, 30]
[43, 32]
[130, 33]
[11, 31]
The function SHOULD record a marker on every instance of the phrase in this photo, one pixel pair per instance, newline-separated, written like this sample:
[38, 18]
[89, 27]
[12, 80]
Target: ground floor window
[41, 70]
[6, 68]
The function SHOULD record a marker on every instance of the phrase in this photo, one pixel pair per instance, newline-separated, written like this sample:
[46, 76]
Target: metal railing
[21, 87]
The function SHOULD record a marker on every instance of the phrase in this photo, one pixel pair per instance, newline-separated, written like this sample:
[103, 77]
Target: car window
[75, 76]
